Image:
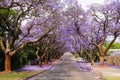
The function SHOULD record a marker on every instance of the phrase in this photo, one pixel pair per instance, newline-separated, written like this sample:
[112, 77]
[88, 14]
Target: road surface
[65, 70]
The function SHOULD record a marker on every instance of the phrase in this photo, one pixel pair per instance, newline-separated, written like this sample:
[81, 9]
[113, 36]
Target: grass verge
[111, 77]
[17, 75]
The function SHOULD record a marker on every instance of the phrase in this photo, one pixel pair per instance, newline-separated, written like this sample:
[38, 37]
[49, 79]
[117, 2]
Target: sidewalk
[48, 66]
[108, 72]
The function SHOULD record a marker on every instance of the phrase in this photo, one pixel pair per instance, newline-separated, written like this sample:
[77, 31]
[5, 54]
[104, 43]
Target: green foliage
[30, 53]
[1, 61]
[21, 59]
[115, 45]
[6, 12]
[18, 60]
[7, 18]
[76, 55]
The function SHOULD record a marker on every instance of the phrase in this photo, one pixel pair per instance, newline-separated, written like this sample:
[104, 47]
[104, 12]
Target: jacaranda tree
[105, 22]
[13, 14]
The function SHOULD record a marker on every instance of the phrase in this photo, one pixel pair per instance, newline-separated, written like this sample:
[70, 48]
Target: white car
[79, 59]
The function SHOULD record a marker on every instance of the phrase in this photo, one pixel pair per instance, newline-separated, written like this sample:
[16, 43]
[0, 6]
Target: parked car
[79, 59]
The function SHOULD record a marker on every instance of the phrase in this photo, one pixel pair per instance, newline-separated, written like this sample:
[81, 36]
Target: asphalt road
[65, 70]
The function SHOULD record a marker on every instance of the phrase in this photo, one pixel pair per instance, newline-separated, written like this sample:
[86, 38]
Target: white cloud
[86, 3]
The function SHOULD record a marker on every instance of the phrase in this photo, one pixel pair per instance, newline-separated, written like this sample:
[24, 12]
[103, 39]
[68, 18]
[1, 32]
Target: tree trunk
[92, 60]
[40, 61]
[101, 60]
[7, 62]
[46, 60]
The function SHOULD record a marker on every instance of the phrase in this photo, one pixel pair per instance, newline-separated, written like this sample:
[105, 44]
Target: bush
[1, 61]
[76, 55]
[115, 45]
[21, 59]
[18, 60]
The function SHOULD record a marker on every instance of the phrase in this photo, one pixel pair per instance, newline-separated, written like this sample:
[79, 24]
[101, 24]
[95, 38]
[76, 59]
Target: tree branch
[19, 49]
[2, 45]
[94, 44]
[108, 47]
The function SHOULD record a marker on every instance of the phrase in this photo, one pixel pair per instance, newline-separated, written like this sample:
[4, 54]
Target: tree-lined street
[39, 32]
[66, 70]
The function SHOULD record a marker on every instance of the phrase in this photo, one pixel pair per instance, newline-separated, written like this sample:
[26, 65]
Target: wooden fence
[113, 60]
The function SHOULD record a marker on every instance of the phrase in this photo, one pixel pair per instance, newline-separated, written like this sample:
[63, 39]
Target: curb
[53, 67]
[38, 73]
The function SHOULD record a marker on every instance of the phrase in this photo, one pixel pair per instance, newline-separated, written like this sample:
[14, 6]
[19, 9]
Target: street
[65, 70]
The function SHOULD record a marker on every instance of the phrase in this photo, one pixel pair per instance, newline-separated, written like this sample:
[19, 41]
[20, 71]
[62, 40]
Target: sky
[86, 3]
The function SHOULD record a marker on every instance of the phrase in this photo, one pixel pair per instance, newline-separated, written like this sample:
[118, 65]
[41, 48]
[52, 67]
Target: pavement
[107, 71]
[66, 69]
[69, 69]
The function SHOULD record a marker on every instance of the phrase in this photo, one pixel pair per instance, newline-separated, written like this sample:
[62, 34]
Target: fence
[113, 60]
